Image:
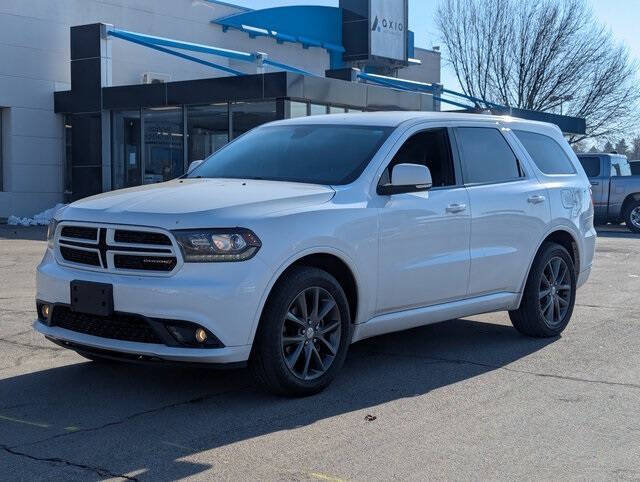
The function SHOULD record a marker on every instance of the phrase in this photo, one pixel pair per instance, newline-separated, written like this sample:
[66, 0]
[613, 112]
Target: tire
[632, 216]
[544, 287]
[294, 358]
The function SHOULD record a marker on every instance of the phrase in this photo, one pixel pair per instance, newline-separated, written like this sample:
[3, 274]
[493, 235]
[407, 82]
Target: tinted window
[546, 153]
[430, 148]
[317, 154]
[486, 156]
[591, 165]
[635, 168]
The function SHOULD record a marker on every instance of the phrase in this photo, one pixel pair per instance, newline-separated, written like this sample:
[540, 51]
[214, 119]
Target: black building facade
[129, 135]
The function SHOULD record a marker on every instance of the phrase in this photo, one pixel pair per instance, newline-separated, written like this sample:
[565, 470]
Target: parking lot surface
[464, 399]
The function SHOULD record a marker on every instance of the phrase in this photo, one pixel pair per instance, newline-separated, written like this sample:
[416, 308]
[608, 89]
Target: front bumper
[143, 351]
[225, 298]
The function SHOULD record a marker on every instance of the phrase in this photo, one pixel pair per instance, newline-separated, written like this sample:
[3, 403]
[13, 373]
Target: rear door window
[546, 153]
[486, 156]
[591, 165]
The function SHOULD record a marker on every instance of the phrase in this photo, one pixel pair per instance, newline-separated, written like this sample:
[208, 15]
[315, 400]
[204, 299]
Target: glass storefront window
[68, 166]
[207, 130]
[163, 144]
[336, 110]
[297, 109]
[317, 109]
[126, 158]
[247, 115]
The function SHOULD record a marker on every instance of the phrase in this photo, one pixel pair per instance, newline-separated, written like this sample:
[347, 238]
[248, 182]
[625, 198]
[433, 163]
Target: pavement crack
[126, 419]
[513, 370]
[28, 345]
[102, 472]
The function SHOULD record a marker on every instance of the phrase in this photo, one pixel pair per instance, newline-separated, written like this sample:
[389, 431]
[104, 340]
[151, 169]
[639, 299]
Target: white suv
[306, 235]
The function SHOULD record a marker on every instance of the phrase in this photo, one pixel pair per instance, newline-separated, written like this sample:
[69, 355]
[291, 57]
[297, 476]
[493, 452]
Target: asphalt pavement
[467, 399]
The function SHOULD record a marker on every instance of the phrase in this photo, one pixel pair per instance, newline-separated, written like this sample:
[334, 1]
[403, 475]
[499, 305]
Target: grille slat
[80, 256]
[80, 232]
[118, 326]
[150, 263]
[141, 237]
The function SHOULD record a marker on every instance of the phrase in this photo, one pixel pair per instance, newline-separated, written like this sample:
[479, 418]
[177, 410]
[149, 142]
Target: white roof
[395, 118]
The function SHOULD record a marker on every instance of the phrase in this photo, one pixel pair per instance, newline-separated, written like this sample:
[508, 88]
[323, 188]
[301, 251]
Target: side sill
[404, 320]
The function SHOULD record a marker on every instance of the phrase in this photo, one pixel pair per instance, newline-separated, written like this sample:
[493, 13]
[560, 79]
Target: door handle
[456, 208]
[537, 199]
[595, 183]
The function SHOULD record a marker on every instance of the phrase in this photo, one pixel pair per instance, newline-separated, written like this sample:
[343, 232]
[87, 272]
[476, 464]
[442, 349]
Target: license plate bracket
[91, 298]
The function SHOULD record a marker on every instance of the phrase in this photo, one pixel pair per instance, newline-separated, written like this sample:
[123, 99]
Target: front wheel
[304, 334]
[632, 216]
[549, 295]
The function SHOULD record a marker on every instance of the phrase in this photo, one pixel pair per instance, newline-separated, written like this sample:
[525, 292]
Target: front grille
[115, 249]
[141, 237]
[151, 263]
[80, 232]
[80, 256]
[118, 326]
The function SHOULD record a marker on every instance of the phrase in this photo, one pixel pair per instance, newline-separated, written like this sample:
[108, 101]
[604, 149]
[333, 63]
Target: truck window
[546, 153]
[620, 167]
[591, 165]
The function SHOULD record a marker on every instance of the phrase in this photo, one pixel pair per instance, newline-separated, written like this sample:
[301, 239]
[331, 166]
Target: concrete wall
[34, 62]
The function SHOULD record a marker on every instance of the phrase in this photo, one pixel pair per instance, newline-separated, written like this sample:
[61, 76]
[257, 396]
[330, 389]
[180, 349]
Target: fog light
[45, 312]
[201, 335]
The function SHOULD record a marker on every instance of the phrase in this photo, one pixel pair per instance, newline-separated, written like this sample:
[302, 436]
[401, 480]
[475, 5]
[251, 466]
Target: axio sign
[389, 29]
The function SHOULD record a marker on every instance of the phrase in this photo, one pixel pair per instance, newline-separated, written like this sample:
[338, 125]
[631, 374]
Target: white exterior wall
[429, 71]
[35, 58]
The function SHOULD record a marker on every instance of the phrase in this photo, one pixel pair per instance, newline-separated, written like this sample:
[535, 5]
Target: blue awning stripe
[206, 49]
[177, 54]
[288, 68]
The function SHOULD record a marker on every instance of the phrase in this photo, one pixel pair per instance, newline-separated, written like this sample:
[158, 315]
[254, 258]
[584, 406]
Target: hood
[185, 202]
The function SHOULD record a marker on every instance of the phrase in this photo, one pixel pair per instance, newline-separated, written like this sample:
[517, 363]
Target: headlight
[51, 232]
[210, 245]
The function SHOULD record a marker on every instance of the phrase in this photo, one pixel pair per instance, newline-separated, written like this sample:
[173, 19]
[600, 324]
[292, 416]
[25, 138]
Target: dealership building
[97, 95]
[83, 111]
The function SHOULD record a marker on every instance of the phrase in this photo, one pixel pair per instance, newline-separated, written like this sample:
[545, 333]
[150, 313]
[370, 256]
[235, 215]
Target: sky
[621, 16]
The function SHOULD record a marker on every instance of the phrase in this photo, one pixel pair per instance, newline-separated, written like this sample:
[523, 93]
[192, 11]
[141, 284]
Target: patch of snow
[40, 219]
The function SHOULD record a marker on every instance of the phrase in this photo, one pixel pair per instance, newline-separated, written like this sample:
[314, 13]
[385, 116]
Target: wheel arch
[331, 260]
[562, 236]
[628, 200]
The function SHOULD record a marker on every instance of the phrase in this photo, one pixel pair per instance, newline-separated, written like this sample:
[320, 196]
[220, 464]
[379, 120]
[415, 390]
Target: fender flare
[344, 257]
[556, 228]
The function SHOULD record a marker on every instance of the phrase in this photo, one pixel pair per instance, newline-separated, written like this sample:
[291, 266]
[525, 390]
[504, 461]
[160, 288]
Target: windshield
[316, 154]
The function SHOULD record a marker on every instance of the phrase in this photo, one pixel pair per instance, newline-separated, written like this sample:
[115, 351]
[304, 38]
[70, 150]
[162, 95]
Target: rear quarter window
[546, 153]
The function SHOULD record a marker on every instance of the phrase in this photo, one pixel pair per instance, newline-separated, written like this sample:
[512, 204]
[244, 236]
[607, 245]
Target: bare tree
[546, 55]
[622, 147]
[635, 148]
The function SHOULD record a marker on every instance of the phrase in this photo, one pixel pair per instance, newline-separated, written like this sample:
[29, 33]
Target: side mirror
[407, 178]
[193, 165]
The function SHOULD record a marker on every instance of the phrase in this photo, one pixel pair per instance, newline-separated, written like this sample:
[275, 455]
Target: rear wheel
[632, 216]
[304, 334]
[549, 295]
